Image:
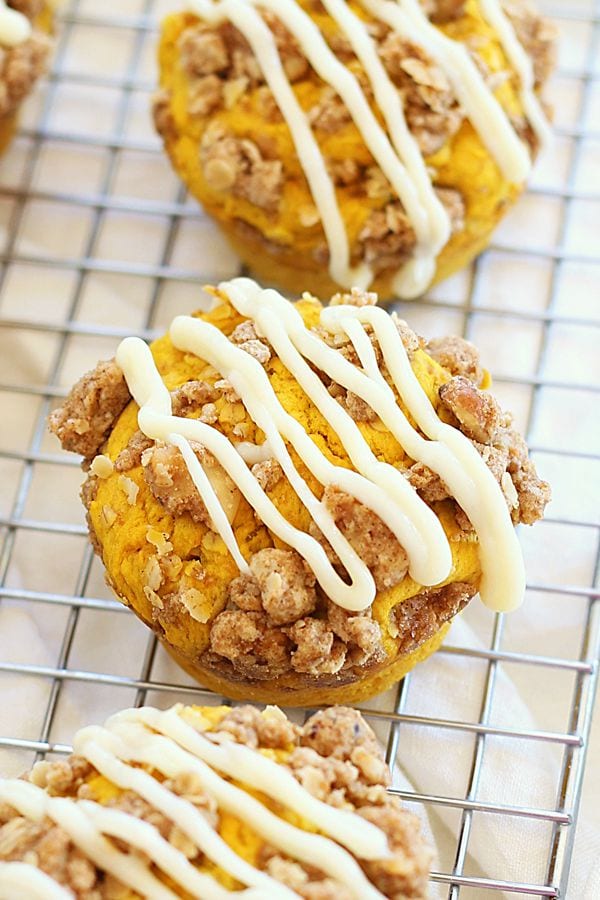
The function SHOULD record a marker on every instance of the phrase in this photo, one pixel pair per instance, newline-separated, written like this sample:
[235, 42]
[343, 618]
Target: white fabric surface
[431, 760]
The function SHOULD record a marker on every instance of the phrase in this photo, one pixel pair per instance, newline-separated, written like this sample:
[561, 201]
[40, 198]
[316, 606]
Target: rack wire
[84, 176]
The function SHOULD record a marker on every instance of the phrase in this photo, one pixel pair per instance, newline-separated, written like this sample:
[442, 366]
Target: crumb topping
[458, 356]
[85, 419]
[169, 480]
[477, 411]
[21, 66]
[334, 756]
[417, 619]
[238, 165]
[369, 536]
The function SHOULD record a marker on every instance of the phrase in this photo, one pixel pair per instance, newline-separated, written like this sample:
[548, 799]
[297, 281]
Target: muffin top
[364, 120]
[290, 475]
[216, 800]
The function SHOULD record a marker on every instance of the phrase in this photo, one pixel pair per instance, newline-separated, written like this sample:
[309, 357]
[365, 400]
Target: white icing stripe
[209, 498]
[252, 26]
[20, 881]
[15, 28]
[387, 494]
[522, 64]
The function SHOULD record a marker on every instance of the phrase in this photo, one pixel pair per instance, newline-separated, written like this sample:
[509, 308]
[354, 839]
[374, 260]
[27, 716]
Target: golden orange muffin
[24, 29]
[281, 510]
[212, 803]
[366, 143]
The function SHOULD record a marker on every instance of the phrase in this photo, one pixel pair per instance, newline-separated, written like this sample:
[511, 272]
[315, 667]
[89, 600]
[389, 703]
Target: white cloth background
[430, 760]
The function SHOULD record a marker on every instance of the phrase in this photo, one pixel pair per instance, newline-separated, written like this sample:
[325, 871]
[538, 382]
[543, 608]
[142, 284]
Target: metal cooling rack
[83, 174]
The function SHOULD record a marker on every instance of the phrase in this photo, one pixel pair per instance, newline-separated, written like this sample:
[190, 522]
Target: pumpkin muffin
[365, 143]
[212, 802]
[24, 29]
[282, 509]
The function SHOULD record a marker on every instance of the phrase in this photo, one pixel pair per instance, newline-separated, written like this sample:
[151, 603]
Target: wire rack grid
[99, 241]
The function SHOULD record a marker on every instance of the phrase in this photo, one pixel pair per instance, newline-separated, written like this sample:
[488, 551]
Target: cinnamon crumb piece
[29, 8]
[60, 777]
[270, 729]
[227, 390]
[205, 95]
[255, 649]
[258, 350]
[268, 473]
[358, 408]
[244, 592]
[458, 356]
[337, 731]
[294, 60]
[538, 36]
[318, 651]
[410, 339]
[330, 114]
[202, 51]
[369, 536]
[237, 164]
[20, 68]
[286, 584]
[88, 414]
[88, 493]
[355, 297]
[453, 202]
[477, 412]
[191, 396]
[442, 11]
[387, 237]
[162, 114]
[417, 619]
[344, 171]
[406, 873]
[533, 493]
[131, 455]
[359, 631]
[431, 108]
[427, 483]
[170, 482]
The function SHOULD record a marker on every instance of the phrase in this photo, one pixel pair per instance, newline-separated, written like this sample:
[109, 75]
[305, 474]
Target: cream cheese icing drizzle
[21, 881]
[169, 745]
[521, 63]
[393, 148]
[377, 485]
[15, 28]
